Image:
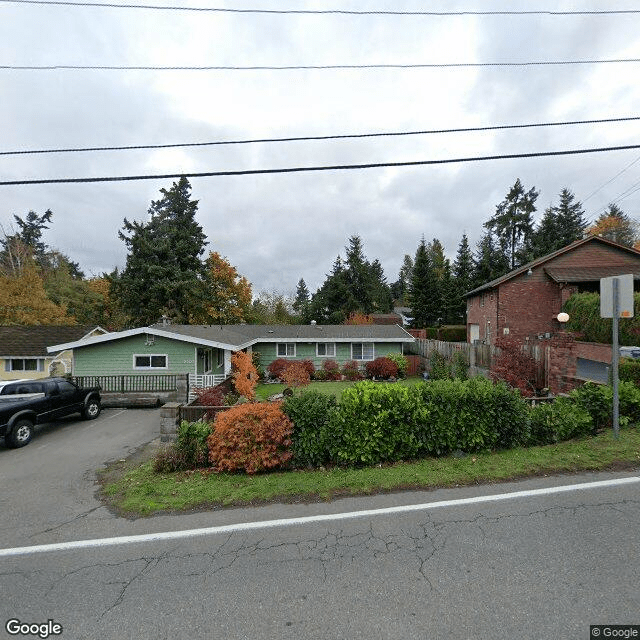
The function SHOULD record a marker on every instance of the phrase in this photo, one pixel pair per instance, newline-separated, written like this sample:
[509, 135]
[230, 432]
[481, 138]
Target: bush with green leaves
[629, 370]
[562, 419]
[459, 367]
[401, 362]
[596, 399]
[310, 413]
[373, 424]
[470, 415]
[438, 367]
[190, 451]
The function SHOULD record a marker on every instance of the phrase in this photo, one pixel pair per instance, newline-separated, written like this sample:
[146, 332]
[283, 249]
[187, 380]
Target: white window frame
[150, 356]
[39, 364]
[220, 358]
[287, 346]
[326, 354]
[363, 345]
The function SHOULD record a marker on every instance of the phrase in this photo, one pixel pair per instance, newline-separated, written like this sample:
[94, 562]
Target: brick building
[524, 303]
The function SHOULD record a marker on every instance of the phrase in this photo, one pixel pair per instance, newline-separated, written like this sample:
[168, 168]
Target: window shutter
[7, 365]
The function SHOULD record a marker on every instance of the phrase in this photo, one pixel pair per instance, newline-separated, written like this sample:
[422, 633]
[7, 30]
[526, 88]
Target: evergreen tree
[513, 223]
[559, 226]
[450, 297]
[164, 274]
[463, 270]
[301, 300]
[424, 294]
[491, 261]
[400, 288]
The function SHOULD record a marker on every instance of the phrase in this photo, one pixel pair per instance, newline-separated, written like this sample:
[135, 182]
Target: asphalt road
[531, 565]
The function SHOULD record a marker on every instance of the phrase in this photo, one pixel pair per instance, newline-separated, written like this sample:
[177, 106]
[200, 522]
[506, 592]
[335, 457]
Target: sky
[278, 228]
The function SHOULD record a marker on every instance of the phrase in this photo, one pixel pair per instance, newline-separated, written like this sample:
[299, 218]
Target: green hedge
[310, 413]
[449, 333]
[377, 423]
[629, 370]
[585, 320]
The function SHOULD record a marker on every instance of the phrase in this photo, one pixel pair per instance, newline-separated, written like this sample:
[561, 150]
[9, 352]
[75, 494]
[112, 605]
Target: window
[326, 349]
[362, 351]
[24, 364]
[286, 350]
[220, 360]
[150, 361]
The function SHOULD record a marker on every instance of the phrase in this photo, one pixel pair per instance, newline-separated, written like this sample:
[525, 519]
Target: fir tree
[424, 294]
[301, 300]
[559, 226]
[164, 274]
[513, 223]
[463, 269]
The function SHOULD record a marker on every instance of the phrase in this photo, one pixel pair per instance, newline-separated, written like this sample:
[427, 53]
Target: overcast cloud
[278, 228]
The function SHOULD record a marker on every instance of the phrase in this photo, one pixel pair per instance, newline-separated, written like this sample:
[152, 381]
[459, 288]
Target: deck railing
[130, 383]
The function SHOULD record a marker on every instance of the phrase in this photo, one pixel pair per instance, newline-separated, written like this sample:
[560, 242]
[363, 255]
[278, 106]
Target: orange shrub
[250, 437]
[245, 375]
[296, 375]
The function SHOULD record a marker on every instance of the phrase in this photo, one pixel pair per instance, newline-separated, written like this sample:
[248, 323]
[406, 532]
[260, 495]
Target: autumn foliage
[296, 375]
[357, 317]
[382, 368]
[250, 437]
[515, 367]
[245, 375]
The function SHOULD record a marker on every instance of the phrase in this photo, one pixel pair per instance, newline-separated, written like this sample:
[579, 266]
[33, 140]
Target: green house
[204, 351]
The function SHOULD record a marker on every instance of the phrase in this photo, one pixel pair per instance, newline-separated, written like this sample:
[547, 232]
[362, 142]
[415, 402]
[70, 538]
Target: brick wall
[528, 306]
[483, 311]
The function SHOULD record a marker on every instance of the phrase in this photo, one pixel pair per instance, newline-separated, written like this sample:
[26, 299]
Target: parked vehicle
[25, 403]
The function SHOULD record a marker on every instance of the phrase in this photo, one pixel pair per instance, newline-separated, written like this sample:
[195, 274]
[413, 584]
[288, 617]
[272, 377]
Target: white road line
[267, 524]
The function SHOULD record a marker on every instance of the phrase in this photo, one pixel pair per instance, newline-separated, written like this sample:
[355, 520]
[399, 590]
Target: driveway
[49, 485]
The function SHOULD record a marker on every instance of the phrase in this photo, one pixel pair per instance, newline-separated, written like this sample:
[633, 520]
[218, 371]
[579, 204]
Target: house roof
[30, 342]
[240, 336]
[544, 259]
[585, 274]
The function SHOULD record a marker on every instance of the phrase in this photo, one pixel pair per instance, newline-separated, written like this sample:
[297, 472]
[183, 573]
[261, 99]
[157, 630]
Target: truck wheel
[21, 433]
[91, 410]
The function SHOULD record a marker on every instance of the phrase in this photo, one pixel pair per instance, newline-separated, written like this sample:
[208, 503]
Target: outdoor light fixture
[563, 317]
[529, 273]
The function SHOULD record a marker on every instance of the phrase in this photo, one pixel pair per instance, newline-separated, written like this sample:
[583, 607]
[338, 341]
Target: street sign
[616, 301]
[625, 296]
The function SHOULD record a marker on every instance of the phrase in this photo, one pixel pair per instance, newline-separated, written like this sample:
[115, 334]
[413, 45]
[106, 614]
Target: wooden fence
[478, 355]
[481, 356]
[150, 383]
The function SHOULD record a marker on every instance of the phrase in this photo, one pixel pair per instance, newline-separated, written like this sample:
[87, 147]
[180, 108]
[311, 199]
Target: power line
[312, 67]
[315, 138]
[343, 167]
[381, 12]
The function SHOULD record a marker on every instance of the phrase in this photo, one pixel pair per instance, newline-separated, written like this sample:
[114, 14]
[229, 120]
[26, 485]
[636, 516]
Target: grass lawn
[137, 491]
[331, 387]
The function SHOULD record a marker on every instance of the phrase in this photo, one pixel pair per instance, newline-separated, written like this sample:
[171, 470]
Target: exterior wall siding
[307, 351]
[116, 358]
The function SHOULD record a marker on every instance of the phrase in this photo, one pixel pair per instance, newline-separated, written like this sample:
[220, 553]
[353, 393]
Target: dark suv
[25, 403]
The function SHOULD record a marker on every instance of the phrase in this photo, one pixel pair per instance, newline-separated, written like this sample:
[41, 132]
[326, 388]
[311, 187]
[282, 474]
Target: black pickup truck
[24, 403]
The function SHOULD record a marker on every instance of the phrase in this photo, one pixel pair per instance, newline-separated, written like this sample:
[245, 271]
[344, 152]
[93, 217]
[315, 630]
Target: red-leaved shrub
[277, 367]
[332, 368]
[517, 368]
[250, 437]
[209, 396]
[351, 370]
[382, 368]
